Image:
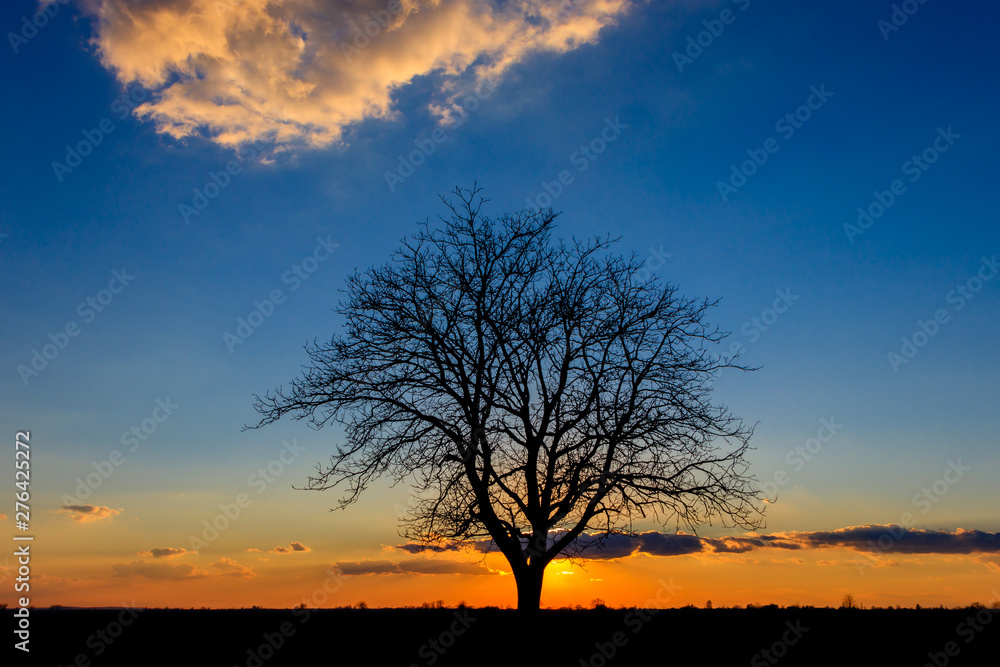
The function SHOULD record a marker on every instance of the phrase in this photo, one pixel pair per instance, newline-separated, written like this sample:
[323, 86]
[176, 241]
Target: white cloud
[299, 71]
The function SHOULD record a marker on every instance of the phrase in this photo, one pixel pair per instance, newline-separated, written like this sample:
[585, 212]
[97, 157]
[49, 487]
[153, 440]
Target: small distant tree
[708, 605]
[848, 602]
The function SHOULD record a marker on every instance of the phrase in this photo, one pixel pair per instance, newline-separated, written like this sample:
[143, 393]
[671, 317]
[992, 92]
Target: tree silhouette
[849, 602]
[529, 390]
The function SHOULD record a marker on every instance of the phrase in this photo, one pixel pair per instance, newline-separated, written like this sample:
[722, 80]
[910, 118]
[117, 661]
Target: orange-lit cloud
[87, 513]
[300, 71]
[46, 580]
[291, 548]
[166, 552]
[228, 567]
[991, 562]
[144, 569]
[225, 567]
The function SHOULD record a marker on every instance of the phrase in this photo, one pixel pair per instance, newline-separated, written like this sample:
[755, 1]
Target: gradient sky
[165, 94]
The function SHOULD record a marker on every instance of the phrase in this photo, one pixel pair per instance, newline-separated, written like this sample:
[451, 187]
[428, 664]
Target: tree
[529, 390]
[849, 602]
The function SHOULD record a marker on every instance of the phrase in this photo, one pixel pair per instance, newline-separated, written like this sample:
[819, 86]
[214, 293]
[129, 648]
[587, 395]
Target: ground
[482, 637]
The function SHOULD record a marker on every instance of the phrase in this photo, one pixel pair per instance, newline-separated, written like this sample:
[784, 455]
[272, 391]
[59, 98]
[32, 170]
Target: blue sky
[655, 184]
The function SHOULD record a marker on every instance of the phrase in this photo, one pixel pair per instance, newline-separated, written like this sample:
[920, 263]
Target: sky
[175, 171]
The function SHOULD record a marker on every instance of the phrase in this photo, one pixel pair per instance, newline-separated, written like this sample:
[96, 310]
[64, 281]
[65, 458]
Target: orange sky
[816, 577]
[111, 561]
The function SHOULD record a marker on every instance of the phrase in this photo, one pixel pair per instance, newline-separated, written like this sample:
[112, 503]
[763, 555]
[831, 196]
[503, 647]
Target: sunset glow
[188, 185]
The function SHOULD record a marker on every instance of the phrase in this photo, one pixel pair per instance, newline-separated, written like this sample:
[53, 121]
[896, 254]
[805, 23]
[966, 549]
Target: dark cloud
[368, 567]
[415, 548]
[738, 545]
[869, 538]
[599, 547]
[660, 544]
[291, 548]
[165, 552]
[411, 566]
[591, 546]
[893, 538]
[606, 547]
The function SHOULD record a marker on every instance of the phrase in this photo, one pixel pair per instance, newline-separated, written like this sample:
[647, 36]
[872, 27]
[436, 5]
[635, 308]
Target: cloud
[428, 566]
[416, 548]
[879, 562]
[230, 568]
[226, 567]
[738, 545]
[48, 580]
[87, 513]
[166, 552]
[411, 566]
[301, 71]
[144, 569]
[991, 562]
[591, 546]
[601, 547]
[893, 538]
[291, 548]
[660, 544]
[368, 567]
[868, 538]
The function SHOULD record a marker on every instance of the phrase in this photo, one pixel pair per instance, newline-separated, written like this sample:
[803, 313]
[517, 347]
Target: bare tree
[849, 602]
[530, 391]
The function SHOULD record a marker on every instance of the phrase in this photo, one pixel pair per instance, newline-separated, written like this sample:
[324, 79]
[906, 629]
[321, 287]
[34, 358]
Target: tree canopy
[530, 390]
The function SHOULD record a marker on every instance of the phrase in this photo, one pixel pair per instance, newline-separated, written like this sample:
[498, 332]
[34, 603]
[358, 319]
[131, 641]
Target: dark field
[253, 638]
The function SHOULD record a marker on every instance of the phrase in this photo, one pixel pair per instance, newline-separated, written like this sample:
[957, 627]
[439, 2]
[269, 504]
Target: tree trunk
[529, 588]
